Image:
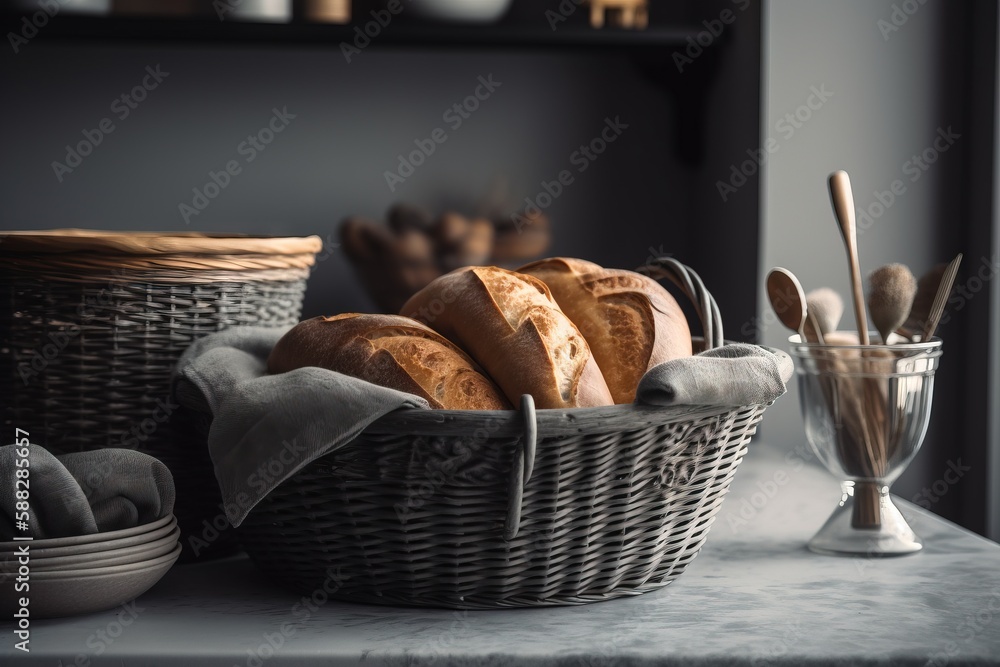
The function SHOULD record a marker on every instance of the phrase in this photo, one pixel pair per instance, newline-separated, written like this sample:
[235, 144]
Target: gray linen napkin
[731, 375]
[265, 428]
[85, 493]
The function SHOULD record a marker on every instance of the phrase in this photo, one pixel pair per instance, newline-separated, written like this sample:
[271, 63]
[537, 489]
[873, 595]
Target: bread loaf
[390, 351]
[629, 320]
[511, 325]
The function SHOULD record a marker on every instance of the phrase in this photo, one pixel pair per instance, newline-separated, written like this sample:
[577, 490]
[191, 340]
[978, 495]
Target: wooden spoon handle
[842, 198]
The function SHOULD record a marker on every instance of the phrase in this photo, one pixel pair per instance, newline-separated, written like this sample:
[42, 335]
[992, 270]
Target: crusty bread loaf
[511, 325]
[629, 320]
[390, 351]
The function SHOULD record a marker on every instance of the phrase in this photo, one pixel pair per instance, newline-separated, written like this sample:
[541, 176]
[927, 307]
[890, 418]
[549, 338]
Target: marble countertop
[753, 596]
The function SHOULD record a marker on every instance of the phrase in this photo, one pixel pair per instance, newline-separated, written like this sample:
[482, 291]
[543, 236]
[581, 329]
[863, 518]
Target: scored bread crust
[629, 320]
[514, 329]
[391, 351]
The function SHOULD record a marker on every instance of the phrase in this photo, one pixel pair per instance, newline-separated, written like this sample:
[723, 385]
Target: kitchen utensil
[787, 298]
[890, 296]
[842, 199]
[927, 289]
[831, 379]
[824, 307]
[941, 299]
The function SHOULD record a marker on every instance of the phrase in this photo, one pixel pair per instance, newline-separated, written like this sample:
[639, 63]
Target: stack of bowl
[86, 573]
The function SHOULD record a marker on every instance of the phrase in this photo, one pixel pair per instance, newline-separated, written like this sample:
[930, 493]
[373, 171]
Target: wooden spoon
[787, 299]
[825, 308]
[842, 199]
[890, 297]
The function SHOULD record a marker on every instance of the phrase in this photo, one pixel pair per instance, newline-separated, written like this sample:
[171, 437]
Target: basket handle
[521, 468]
[691, 284]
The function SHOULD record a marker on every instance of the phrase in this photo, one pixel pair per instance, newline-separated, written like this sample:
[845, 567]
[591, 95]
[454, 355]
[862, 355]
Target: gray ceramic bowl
[87, 539]
[40, 551]
[52, 598]
[87, 571]
[125, 556]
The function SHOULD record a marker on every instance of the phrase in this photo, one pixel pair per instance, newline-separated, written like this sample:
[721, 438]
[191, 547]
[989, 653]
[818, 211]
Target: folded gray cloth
[732, 375]
[84, 493]
[265, 428]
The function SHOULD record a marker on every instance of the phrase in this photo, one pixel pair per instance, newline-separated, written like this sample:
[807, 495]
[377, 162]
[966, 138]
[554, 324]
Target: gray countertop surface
[753, 596]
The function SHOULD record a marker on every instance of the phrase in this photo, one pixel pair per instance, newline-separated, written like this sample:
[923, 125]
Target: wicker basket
[93, 322]
[468, 509]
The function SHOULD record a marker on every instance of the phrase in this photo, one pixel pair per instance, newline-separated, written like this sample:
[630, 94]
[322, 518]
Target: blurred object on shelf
[396, 260]
[325, 11]
[273, 11]
[520, 240]
[619, 13]
[276, 11]
[460, 11]
[68, 6]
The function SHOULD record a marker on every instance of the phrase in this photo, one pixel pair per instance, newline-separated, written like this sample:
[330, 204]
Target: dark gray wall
[352, 120]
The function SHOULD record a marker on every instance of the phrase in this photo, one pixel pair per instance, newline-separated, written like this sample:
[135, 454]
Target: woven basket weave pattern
[107, 351]
[417, 520]
[87, 365]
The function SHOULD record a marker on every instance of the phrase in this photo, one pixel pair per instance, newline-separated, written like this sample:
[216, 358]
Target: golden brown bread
[511, 325]
[390, 351]
[629, 320]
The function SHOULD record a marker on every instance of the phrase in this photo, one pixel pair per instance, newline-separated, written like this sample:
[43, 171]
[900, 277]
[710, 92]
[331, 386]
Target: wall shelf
[429, 35]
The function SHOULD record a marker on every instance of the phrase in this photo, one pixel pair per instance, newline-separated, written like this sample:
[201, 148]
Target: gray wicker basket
[93, 322]
[468, 509]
